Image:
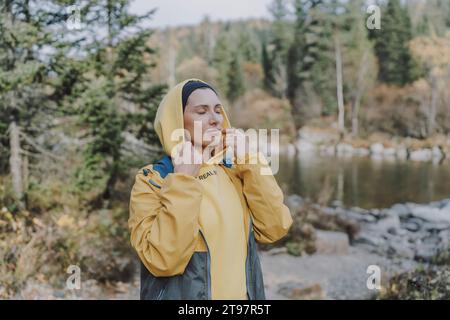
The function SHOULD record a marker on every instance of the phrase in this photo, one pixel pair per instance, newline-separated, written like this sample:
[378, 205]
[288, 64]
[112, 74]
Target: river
[363, 181]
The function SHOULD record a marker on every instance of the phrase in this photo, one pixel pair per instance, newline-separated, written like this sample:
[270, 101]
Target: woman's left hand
[237, 140]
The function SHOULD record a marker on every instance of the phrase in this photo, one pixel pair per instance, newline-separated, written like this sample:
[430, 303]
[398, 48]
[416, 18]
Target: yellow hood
[169, 117]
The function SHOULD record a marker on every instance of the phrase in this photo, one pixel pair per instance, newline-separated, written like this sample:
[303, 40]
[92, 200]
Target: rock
[276, 251]
[369, 238]
[389, 152]
[294, 202]
[361, 151]
[431, 214]
[437, 153]
[401, 210]
[305, 146]
[421, 155]
[445, 238]
[300, 291]
[425, 252]
[336, 203]
[400, 249]
[402, 153]
[411, 226]
[358, 216]
[392, 222]
[36, 291]
[431, 240]
[331, 242]
[445, 204]
[327, 150]
[433, 226]
[376, 148]
[344, 149]
[379, 214]
[288, 149]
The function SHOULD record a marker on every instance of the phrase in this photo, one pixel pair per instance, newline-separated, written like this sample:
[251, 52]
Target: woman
[194, 225]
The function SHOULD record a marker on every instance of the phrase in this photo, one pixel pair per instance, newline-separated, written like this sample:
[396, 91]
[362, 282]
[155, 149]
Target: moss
[431, 282]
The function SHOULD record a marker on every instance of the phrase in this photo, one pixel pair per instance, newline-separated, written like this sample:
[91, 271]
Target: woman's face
[203, 106]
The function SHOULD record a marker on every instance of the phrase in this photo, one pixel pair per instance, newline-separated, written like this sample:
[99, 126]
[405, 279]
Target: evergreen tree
[269, 77]
[221, 61]
[280, 34]
[310, 63]
[391, 46]
[247, 46]
[31, 48]
[236, 86]
[116, 96]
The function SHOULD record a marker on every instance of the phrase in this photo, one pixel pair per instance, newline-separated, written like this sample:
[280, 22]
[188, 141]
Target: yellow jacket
[164, 208]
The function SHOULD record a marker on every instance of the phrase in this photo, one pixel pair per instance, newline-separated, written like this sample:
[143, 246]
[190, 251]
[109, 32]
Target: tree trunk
[15, 161]
[359, 93]
[339, 86]
[355, 120]
[433, 106]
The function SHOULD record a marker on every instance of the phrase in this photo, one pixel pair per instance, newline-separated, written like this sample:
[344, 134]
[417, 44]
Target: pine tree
[280, 40]
[266, 61]
[221, 61]
[310, 63]
[391, 46]
[116, 97]
[28, 30]
[236, 86]
[247, 46]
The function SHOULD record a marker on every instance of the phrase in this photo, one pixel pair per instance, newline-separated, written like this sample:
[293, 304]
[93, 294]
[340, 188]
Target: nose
[214, 119]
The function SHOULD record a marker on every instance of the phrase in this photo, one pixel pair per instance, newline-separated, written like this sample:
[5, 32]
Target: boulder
[376, 148]
[402, 153]
[331, 242]
[361, 151]
[389, 152]
[400, 249]
[437, 153]
[431, 214]
[301, 291]
[383, 225]
[400, 210]
[412, 226]
[294, 202]
[421, 155]
[305, 146]
[344, 149]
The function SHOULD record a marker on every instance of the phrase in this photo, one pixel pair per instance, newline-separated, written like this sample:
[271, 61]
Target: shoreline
[377, 146]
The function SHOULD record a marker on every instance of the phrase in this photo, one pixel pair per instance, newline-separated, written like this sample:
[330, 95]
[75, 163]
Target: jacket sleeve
[164, 225]
[271, 217]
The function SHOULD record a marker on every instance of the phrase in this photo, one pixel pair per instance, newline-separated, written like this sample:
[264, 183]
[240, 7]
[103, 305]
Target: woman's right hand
[184, 160]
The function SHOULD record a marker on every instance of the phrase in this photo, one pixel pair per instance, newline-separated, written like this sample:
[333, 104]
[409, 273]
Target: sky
[189, 12]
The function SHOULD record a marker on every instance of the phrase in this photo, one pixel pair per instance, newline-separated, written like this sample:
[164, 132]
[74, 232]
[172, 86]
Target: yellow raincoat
[165, 210]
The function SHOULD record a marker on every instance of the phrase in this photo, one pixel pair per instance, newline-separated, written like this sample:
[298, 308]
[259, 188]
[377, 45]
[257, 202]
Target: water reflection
[363, 181]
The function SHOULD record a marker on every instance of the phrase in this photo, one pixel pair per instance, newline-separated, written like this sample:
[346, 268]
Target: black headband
[190, 86]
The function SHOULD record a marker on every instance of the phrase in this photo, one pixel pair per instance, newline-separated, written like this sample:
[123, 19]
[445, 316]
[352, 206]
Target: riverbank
[327, 141]
[402, 241]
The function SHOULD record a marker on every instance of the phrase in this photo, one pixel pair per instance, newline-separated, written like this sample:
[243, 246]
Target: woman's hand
[188, 160]
[238, 142]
